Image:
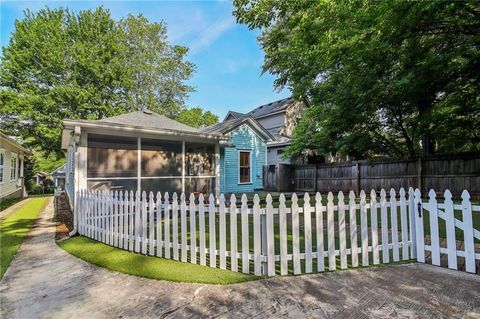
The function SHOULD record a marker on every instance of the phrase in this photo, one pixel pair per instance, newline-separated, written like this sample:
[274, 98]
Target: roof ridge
[148, 118]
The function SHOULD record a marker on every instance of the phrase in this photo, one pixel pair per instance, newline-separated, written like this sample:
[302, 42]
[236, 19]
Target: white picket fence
[448, 243]
[324, 233]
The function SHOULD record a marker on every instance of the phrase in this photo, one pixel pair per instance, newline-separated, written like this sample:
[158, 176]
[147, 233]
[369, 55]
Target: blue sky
[227, 55]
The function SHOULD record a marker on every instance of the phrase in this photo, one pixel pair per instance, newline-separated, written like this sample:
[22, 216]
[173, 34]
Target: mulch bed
[63, 217]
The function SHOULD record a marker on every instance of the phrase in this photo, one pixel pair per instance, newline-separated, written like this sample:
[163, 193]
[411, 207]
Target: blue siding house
[243, 155]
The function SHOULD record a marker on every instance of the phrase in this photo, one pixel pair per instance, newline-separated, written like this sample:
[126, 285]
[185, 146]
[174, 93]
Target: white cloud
[185, 25]
[207, 36]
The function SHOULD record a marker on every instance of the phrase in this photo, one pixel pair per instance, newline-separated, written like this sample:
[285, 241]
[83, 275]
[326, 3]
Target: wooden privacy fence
[455, 173]
[297, 236]
[278, 178]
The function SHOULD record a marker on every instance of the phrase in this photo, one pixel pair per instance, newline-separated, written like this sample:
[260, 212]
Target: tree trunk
[424, 108]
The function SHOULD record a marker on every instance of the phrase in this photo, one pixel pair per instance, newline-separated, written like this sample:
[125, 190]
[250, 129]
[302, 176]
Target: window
[244, 167]
[13, 167]
[279, 152]
[2, 164]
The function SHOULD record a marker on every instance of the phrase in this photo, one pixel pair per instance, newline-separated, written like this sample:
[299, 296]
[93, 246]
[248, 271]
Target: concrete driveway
[46, 282]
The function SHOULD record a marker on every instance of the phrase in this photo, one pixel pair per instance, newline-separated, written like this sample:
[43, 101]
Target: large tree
[60, 64]
[390, 77]
[196, 117]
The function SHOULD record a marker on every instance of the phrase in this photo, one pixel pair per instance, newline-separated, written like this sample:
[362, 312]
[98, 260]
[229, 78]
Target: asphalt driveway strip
[44, 281]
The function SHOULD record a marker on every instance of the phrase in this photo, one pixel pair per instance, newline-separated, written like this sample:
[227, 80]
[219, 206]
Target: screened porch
[151, 164]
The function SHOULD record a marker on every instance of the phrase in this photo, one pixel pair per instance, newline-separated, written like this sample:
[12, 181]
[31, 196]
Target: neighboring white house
[39, 177]
[58, 177]
[12, 157]
[279, 118]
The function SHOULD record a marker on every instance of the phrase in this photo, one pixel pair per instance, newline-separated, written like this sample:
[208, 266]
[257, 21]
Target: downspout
[76, 140]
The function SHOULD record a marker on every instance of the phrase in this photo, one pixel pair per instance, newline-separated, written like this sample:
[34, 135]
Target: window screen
[111, 156]
[161, 158]
[200, 159]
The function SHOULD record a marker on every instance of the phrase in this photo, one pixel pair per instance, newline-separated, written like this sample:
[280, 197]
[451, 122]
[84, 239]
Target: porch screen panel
[200, 159]
[113, 184]
[199, 185]
[162, 185]
[161, 158]
[111, 163]
[111, 156]
[199, 168]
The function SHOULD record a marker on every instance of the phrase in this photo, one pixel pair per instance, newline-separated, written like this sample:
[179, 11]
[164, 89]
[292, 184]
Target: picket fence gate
[266, 240]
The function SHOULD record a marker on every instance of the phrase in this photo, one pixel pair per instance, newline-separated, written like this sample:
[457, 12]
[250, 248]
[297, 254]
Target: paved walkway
[46, 282]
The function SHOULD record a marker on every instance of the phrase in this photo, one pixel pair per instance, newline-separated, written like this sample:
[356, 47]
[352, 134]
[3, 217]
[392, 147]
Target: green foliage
[196, 117]
[47, 162]
[59, 64]
[147, 266]
[29, 170]
[15, 228]
[388, 77]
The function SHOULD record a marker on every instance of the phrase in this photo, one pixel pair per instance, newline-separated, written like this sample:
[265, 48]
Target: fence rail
[290, 236]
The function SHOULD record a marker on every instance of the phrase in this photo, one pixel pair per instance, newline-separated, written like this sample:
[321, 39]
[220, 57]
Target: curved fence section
[280, 236]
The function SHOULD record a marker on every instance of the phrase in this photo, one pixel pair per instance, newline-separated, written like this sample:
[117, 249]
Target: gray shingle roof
[235, 114]
[226, 126]
[265, 109]
[271, 107]
[149, 119]
[223, 127]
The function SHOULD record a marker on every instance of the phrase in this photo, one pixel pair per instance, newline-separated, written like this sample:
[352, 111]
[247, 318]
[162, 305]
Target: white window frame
[13, 168]
[2, 166]
[251, 167]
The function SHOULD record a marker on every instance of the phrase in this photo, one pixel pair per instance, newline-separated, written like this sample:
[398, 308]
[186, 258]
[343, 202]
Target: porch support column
[139, 164]
[217, 169]
[183, 166]
[21, 158]
[82, 162]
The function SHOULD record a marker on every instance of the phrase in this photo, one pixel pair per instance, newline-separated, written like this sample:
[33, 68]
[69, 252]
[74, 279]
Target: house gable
[244, 137]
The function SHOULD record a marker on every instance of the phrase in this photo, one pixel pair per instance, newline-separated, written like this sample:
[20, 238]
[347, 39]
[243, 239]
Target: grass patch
[15, 228]
[147, 266]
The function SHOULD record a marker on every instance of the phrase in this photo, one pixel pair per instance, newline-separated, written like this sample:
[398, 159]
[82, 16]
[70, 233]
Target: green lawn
[15, 228]
[146, 266]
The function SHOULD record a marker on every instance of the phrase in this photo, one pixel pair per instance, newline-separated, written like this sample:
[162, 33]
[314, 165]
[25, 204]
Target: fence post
[259, 263]
[412, 226]
[468, 232]
[270, 237]
[419, 174]
[263, 238]
[357, 183]
[419, 226]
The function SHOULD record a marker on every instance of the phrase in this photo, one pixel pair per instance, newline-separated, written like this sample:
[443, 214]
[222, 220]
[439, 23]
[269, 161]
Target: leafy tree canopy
[381, 77]
[60, 64]
[196, 117]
